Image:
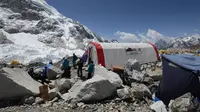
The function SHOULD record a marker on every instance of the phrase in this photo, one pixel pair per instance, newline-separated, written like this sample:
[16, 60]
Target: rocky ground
[103, 93]
[113, 106]
[120, 102]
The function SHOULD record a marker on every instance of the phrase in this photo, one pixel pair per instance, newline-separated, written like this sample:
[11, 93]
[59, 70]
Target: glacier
[32, 30]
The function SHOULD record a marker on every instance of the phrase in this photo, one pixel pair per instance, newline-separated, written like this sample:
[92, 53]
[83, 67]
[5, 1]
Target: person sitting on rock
[90, 70]
[66, 68]
[80, 66]
[74, 58]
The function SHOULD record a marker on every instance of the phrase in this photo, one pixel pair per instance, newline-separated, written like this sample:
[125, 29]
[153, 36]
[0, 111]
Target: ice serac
[35, 31]
[16, 83]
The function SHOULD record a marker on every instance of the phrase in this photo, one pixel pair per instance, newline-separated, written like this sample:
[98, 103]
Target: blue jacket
[44, 74]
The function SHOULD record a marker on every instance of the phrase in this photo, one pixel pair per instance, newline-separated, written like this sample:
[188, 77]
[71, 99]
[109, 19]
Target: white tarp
[16, 83]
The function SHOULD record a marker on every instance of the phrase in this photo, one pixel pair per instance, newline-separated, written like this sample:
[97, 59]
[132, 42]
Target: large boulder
[16, 83]
[111, 76]
[133, 76]
[53, 72]
[63, 85]
[184, 104]
[139, 91]
[132, 72]
[132, 65]
[156, 75]
[95, 89]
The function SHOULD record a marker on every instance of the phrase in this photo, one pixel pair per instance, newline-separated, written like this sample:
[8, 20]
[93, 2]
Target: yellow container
[14, 62]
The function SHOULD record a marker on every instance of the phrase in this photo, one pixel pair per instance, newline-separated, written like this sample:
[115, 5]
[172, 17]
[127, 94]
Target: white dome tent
[109, 54]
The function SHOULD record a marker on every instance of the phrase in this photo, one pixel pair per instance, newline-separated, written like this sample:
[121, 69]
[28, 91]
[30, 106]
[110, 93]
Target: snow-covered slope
[33, 30]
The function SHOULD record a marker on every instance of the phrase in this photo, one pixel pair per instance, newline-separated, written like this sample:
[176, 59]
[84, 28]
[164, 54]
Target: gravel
[112, 106]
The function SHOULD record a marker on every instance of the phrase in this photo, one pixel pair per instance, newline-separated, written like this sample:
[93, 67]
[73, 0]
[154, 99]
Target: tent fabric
[189, 62]
[108, 54]
[100, 53]
[157, 54]
[178, 78]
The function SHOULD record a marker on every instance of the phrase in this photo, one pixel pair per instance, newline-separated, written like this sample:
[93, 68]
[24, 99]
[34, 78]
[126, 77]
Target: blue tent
[180, 76]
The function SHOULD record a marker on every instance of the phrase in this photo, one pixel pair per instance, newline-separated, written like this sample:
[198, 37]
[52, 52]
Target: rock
[54, 100]
[132, 65]
[148, 80]
[133, 76]
[95, 89]
[145, 65]
[53, 72]
[183, 104]
[155, 75]
[47, 104]
[63, 85]
[144, 109]
[53, 93]
[111, 76]
[38, 100]
[142, 68]
[132, 72]
[52, 84]
[29, 100]
[153, 87]
[159, 64]
[18, 83]
[124, 93]
[80, 104]
[139, 91]
[38, 70]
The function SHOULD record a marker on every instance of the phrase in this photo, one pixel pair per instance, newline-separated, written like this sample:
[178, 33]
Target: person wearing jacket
[45, 74]
[90, 70]
[66, 68]
[80, 66]
[74, 58]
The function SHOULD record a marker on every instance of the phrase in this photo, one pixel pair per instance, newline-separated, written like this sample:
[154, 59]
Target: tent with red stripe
[109, 54]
